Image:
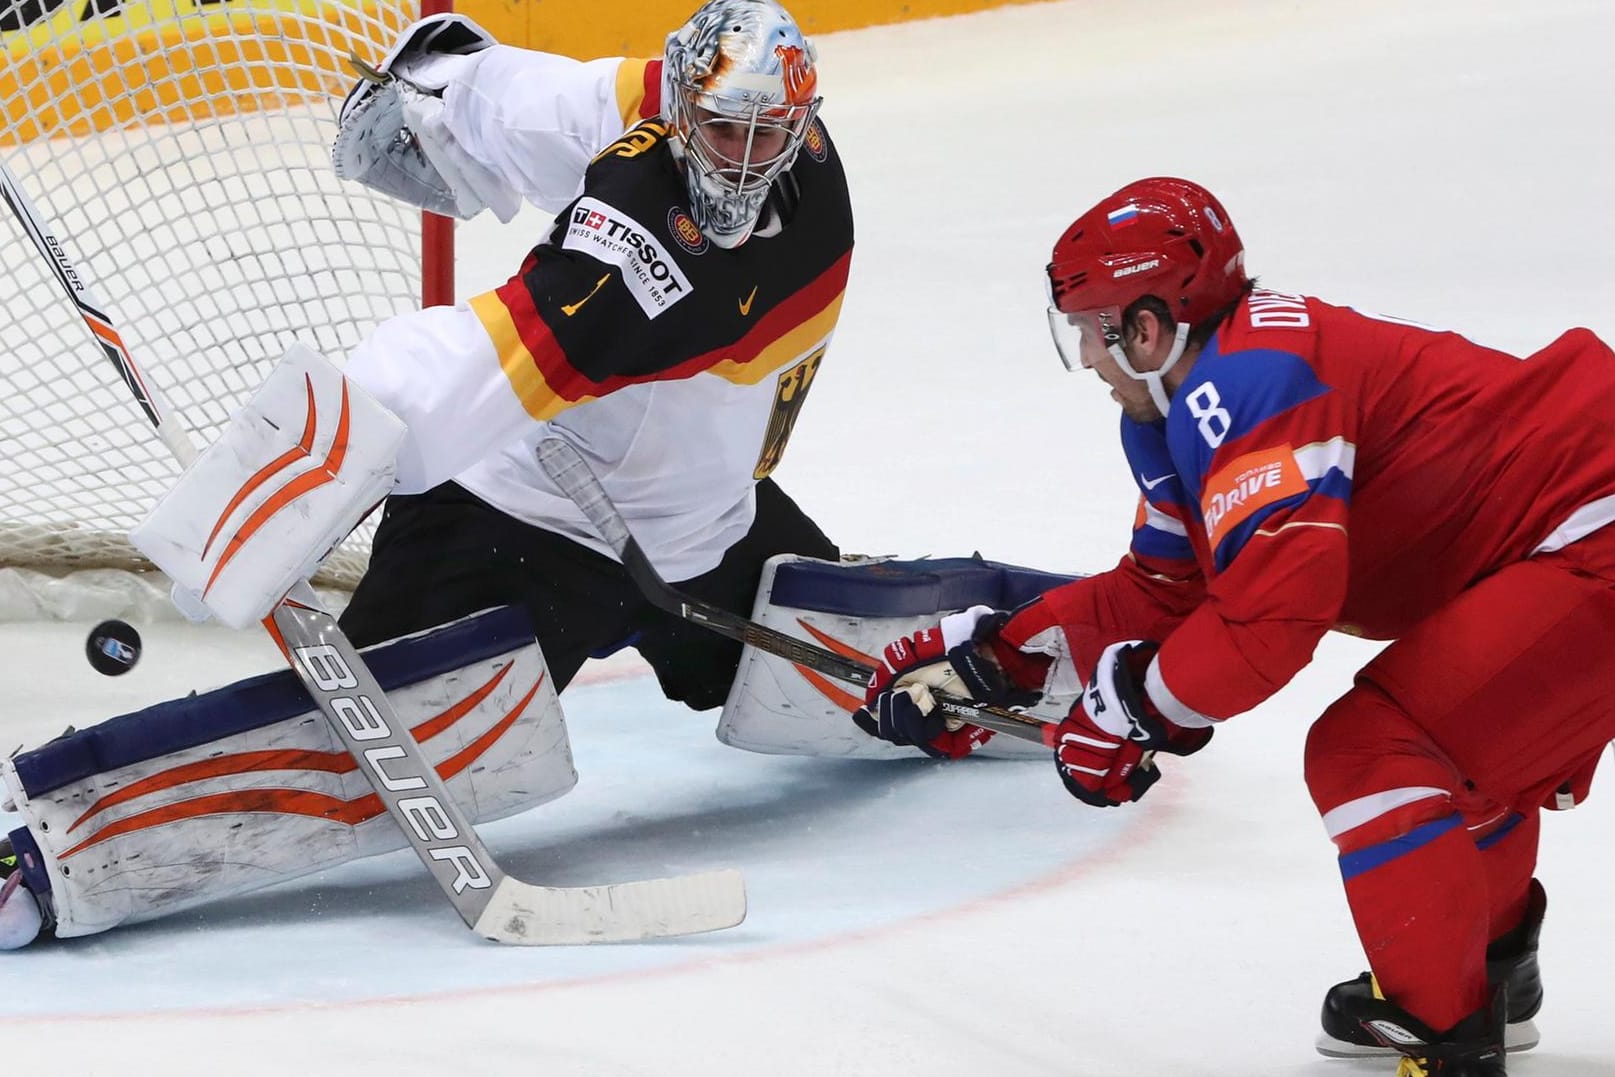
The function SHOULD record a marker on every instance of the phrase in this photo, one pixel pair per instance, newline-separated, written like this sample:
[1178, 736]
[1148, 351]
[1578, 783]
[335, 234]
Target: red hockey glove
[907, 716]
[898, 705]
[1025, 642]
[1100, 747]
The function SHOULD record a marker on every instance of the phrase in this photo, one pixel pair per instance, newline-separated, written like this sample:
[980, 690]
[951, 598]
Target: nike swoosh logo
[570, 309]
[1150, 484]
[745, 304]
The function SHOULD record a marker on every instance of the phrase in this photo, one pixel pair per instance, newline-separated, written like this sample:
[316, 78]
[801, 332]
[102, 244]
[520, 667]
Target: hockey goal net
[180, 152]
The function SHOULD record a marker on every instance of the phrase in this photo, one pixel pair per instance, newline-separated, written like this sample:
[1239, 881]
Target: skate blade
[1518, 1036]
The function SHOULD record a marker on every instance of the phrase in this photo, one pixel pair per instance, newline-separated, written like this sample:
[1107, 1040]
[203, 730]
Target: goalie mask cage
[180, 152]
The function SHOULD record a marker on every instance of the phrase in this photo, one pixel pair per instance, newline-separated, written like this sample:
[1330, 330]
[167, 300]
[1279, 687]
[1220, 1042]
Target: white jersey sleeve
[537, 119]
[437, 370]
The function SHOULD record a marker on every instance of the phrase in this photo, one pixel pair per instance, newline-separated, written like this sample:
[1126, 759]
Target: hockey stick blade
[563, 463]
[410, 788]
[621, 912]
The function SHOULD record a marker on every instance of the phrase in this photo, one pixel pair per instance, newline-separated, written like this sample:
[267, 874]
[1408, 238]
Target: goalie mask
[739, 92]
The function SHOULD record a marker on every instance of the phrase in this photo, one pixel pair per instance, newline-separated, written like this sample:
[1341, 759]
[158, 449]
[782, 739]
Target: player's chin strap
[1151, 378]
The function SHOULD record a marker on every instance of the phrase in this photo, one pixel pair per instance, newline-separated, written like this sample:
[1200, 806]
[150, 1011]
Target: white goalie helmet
[739, 89]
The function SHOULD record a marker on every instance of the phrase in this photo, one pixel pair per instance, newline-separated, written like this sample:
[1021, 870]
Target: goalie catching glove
[392, 136]
[898, 705]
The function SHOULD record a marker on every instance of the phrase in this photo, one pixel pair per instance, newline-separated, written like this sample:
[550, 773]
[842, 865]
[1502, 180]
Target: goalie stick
[563, 463]
[493, 904]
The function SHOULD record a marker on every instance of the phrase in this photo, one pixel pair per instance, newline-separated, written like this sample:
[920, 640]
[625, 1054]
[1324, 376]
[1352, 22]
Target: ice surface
[1445, 161]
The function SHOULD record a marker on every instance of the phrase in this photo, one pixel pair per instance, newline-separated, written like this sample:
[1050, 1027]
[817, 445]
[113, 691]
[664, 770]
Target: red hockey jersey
[1323, 468]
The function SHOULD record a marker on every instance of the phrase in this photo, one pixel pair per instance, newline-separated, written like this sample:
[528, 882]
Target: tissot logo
[609, 235]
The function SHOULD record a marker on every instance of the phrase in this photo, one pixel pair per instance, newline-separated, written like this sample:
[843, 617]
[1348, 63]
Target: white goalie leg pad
[201, 798]
[856, 608]
[296, 469]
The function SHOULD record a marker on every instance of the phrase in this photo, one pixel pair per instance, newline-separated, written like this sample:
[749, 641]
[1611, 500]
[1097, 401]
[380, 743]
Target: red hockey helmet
[1163, 237]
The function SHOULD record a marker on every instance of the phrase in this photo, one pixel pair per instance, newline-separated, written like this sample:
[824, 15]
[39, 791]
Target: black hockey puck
[113, 648]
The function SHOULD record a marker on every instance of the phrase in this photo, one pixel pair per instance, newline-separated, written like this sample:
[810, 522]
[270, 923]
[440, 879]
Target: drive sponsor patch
[1248, 484]
[653, 278]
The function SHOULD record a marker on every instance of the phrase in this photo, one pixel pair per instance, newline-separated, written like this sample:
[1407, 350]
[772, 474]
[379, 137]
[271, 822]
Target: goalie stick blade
[525, 915]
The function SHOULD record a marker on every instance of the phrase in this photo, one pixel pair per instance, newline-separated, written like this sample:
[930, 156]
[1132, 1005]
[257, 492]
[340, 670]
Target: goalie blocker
[855, 609]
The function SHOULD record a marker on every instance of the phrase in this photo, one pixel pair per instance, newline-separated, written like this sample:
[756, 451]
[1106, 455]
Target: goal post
[184, 148]
[437, 232]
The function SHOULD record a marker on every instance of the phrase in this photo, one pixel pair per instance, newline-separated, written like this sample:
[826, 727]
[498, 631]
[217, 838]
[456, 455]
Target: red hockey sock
[1418, 894]
[1508, 853]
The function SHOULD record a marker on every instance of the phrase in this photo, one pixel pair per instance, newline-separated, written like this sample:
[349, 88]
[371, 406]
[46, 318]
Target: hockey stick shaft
[566, 466]
[94, 312]
[490, 902]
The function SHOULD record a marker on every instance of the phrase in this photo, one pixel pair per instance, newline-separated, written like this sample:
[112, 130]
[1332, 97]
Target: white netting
[182, 158]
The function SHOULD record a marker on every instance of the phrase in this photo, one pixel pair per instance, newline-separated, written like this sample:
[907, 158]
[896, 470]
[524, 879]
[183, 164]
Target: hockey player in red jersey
[1304, 467]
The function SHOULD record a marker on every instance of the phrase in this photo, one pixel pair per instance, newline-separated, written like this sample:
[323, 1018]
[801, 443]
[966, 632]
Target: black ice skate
[1510, 961]
[1471, 1048]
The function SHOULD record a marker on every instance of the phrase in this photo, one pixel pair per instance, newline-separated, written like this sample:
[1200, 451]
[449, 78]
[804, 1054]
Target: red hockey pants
[1431, 772]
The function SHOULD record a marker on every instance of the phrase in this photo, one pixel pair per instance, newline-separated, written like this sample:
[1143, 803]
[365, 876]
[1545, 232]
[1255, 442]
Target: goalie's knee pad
[216, 794]
[855, 609]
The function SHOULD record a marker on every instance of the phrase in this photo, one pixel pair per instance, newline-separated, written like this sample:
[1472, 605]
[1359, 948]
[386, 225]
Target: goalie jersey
[677, 367]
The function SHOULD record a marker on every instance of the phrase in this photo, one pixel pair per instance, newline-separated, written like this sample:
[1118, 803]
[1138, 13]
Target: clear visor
[748, 149]
[1103, 327]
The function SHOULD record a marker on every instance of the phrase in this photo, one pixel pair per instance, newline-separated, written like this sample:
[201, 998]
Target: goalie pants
[443, 554]
[1432, 772]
